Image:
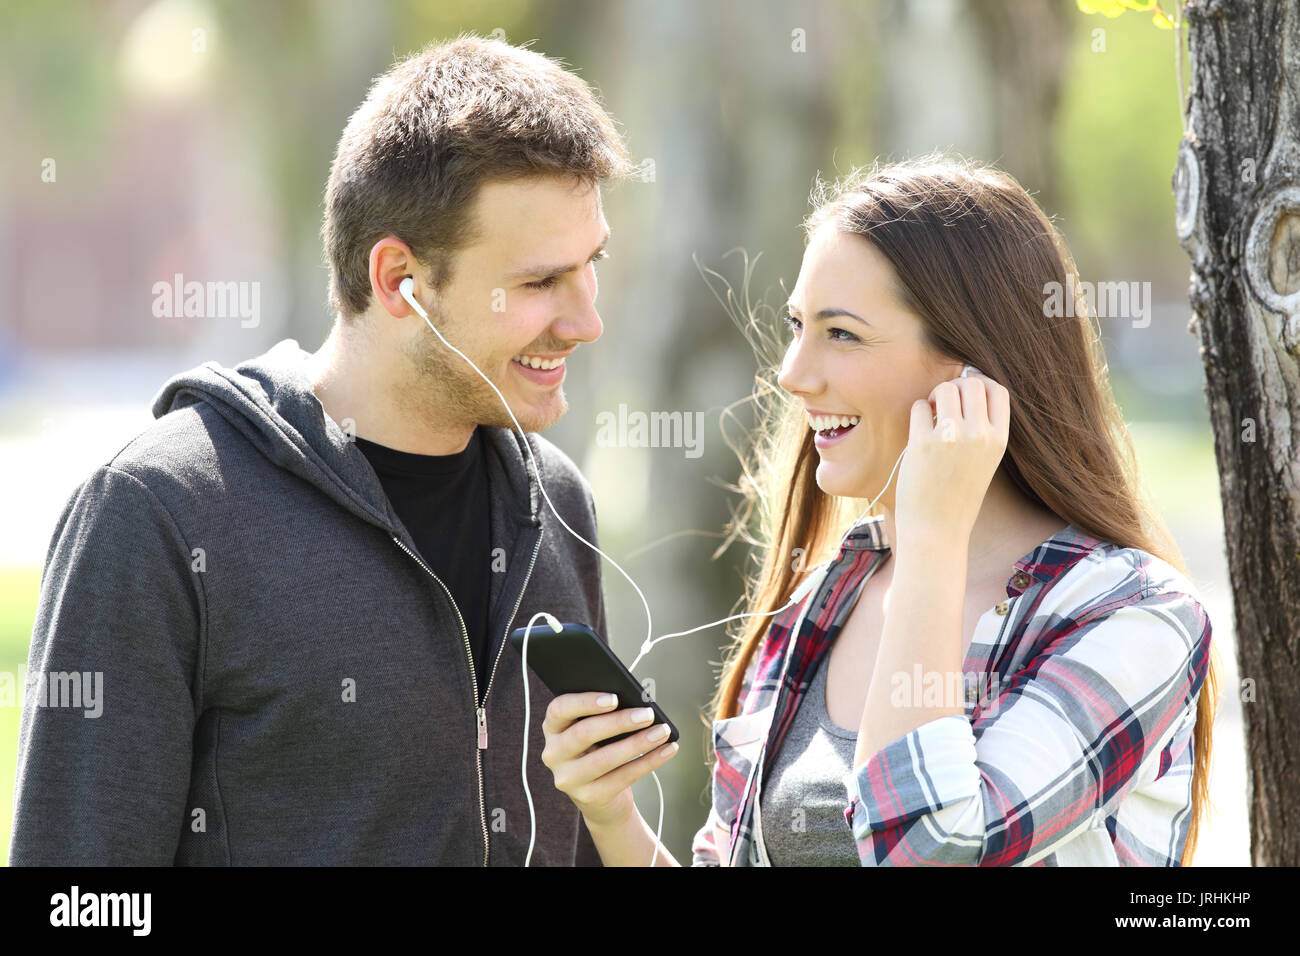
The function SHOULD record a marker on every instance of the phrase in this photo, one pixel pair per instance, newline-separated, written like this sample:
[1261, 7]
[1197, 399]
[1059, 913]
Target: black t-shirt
[443, 501]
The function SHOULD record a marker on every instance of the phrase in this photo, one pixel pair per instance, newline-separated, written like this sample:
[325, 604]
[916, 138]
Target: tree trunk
[1237, 187]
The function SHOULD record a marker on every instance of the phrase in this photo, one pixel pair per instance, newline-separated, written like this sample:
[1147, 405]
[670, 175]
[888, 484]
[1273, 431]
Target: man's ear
[391, 261]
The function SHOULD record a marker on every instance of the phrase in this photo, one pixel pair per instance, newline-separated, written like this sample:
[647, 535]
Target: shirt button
[1001, 608]
[1021, 580]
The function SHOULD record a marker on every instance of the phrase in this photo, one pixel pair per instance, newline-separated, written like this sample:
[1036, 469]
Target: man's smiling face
[521, 294]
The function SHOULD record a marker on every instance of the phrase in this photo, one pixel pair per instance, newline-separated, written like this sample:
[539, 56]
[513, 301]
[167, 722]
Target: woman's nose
[797, 375]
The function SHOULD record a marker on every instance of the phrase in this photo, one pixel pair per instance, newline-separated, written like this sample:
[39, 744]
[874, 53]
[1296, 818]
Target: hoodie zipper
[480, 713]
[480, 710]
[506, 636]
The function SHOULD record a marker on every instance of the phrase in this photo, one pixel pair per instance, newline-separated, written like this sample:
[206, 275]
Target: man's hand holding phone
[598, 778]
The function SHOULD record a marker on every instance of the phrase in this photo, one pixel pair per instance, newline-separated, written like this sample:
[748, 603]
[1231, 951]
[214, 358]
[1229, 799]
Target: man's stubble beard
[444, 388]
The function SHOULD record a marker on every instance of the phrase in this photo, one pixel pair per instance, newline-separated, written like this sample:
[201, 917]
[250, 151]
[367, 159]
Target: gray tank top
[803, 798]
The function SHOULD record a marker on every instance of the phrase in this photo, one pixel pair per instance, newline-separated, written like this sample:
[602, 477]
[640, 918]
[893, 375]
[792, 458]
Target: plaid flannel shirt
[1080, 692]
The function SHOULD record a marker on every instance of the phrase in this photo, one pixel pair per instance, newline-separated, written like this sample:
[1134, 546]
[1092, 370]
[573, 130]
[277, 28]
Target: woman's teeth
[821, 423]
[537, 362]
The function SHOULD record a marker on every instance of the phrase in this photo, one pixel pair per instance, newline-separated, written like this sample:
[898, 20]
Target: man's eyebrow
[829, 314]
[546, 272]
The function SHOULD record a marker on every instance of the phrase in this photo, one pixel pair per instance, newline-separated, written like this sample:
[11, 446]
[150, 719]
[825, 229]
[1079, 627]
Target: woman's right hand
[599, 779]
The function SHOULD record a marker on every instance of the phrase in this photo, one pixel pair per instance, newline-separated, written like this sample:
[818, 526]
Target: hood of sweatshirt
[283, 666]
[270, 400]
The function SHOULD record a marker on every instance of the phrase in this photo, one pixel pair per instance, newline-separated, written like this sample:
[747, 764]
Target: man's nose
[581, 321]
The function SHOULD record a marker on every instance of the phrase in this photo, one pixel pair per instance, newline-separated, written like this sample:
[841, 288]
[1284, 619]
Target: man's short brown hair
[433, 129]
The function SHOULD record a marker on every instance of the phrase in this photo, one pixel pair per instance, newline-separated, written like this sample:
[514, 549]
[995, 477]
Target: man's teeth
[821, 423]
[537, 362]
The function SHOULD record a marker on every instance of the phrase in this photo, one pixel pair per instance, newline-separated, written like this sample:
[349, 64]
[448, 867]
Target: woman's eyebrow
[829, 314]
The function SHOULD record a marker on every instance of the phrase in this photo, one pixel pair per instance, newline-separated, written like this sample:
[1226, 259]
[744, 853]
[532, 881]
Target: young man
[294, 589]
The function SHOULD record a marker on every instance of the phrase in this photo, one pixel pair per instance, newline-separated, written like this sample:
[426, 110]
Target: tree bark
[1237, 189]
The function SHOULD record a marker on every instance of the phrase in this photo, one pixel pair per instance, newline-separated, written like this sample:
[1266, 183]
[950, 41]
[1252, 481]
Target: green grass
[1177, 464]
[19, 591]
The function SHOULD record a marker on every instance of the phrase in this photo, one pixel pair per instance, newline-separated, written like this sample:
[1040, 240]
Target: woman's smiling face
[856, 352]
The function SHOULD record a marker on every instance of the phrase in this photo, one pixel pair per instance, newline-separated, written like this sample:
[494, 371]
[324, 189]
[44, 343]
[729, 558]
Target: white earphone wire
[406, 288]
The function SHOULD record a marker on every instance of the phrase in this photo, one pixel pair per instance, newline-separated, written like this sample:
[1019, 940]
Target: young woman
[1004, 663]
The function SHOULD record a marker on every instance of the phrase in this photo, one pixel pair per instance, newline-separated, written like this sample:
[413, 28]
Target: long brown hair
[973, 254]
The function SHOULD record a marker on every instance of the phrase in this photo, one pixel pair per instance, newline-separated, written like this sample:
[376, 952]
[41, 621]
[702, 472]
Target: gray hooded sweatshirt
[268, 672]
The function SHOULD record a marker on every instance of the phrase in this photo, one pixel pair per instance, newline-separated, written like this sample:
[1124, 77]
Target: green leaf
[1109, 8]
[1113, 8]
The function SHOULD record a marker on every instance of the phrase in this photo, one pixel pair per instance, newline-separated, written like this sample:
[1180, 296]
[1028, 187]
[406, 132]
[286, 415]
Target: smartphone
[576, 661]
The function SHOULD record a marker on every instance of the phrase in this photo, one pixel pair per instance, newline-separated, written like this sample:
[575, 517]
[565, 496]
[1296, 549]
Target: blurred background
[145, 139]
